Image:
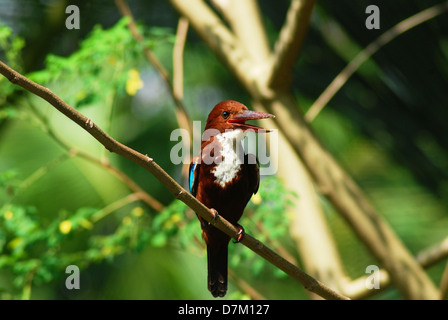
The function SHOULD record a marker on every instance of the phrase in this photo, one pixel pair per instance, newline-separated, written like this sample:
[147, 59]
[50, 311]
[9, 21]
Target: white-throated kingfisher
[224, 179]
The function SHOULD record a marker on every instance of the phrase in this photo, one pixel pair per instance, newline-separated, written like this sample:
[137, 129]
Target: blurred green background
[387, 127]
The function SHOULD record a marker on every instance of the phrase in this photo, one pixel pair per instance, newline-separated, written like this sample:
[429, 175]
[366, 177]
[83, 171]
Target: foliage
[10, 47]
[100, 64]
[10, 51]
[268, 208]
[57, 207]
[267, 217]
[36, 250]
[39, 253]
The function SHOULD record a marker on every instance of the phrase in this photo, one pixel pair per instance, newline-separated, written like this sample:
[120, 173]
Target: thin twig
[105, 163]
[178, 61]
[100, 214]
[444, 283]
[356, 289]
[308, 226]
[175, 88]
[26, 292]
[143, 195]
[246, 287]
[339, 188]
[178, 86]
[434, 254]
[368, 51]
[180, 193]
[277, 246]
[181, 113]
[36, 175]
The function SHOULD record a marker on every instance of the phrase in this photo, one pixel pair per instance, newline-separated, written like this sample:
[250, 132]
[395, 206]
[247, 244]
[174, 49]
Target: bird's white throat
[233, 156]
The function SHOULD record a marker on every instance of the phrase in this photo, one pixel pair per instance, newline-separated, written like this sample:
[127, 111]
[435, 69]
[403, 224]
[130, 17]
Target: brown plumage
[223, 178]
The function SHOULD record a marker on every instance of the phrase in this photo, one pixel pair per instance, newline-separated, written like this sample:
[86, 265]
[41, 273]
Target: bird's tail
[217, 268]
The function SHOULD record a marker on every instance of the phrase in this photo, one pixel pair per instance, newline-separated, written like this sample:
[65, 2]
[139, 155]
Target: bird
[224, 179]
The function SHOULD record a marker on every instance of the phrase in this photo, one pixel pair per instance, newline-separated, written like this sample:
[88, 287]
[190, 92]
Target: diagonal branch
[370, 50]
[428, 257]
[444, 283]
[341, 190]
[240, 282]
[180, 193]
[308, 226]
[289, 42]
[131, 184]
[175, 87]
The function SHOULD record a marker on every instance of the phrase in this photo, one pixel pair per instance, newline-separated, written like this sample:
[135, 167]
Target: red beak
[239, 120]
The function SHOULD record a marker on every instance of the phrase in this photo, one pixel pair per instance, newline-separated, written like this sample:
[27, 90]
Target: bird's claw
[215, 216]
[240, 234]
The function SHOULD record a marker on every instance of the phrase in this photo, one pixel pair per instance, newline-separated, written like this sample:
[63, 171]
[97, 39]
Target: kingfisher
[224, 179]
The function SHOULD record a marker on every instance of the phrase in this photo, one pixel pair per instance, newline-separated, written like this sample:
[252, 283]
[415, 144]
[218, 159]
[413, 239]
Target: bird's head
[232, 115]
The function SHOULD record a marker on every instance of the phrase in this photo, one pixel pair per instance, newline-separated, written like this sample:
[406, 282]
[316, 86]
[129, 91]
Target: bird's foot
[240, 234]
[215, 216]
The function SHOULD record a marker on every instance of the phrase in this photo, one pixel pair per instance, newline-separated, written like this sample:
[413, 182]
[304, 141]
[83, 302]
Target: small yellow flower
[8, 215]
[175, 218]
[134, 82]
[14, 243]
[105, 251]
[256, 199]
[127, 221]
[65, 226]
[137, 211]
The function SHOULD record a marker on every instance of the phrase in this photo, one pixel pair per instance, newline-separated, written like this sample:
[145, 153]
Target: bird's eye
[225, 114]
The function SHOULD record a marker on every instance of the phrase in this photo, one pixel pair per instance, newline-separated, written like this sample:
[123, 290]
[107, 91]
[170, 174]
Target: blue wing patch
[193, 174]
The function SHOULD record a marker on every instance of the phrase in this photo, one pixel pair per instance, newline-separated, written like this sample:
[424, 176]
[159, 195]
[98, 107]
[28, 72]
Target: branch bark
[180, 193]
[178, 52]
[289, 43]
[132, 185]
[369, 51]
[428, 257]
[332, 180]
[309, 227]
[244, 18]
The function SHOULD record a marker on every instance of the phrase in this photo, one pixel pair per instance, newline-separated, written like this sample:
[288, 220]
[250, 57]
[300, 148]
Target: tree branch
[131, 184]
[346, 197]
[178, 52]
[444, 283]
[114, 206]
[245, 20]
[289, 42]
[428, 257]
[175, 87]
[180, 193]
[254, 294]
[368, 51]
[308, 227]
[181, 113]
[218, 37]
